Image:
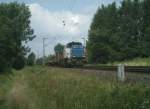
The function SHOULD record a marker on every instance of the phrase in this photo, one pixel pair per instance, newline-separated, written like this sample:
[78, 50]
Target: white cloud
[62, 26]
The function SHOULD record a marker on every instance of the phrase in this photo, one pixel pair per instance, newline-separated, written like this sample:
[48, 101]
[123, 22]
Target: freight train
[74, 54]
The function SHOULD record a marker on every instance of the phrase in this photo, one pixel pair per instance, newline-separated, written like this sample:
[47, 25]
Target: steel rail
[136, 69]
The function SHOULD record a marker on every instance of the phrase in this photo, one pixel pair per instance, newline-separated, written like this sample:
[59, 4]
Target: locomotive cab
[74, 54]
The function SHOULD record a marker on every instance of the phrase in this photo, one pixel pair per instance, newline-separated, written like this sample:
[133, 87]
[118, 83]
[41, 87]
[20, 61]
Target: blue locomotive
[74, 54]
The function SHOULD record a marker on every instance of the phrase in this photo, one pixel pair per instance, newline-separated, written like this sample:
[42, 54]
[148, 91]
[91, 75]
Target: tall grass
[50, 88]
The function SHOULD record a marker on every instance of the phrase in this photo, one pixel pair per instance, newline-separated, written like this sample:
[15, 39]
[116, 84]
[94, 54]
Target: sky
[49, 16]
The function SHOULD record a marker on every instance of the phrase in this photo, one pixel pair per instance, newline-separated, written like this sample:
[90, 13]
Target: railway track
[136, 69]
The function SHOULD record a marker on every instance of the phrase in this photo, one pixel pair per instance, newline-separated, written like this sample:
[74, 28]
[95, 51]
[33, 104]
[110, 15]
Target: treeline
[15, 31]
[120, 32]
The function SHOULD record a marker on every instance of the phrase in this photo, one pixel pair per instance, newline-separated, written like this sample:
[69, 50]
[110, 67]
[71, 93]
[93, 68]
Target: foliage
[14, 31]
[134, 62]
[39, 61]
[31, 59]
[59, 48]
[70, 89]
[50, 58]
[119, 33]
[19, 62]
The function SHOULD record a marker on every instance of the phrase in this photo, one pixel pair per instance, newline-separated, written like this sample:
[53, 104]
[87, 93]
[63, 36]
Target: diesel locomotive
[74, 54]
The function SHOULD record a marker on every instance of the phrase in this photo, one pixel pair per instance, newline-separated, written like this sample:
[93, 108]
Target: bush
[39, 61]
[31, 59]
[4, 65]
[19, 63]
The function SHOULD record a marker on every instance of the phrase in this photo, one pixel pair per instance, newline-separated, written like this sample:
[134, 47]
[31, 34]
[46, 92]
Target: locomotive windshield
[77, 46]
[74, 45]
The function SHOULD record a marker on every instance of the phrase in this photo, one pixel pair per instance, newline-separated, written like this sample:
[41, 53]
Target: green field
[55, 88]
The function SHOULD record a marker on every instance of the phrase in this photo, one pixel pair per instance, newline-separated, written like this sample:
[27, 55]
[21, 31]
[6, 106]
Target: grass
[53, 88]
[134, 62]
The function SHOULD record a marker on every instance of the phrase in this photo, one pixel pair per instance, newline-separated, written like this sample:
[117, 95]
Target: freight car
[74, 54]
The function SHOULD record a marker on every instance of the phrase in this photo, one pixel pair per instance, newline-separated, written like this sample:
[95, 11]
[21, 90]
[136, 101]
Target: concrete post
[121, 73]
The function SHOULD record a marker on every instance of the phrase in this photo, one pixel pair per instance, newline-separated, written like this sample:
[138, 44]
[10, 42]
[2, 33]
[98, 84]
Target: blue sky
[48, 15]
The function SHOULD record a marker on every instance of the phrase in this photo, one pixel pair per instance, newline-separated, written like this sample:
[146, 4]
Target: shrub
[19, 63]
[31, 59]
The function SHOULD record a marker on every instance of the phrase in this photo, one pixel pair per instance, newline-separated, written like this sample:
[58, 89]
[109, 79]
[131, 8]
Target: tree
[102, 35]
[59, 48]
[31, 59]
[119, 33]
[130, 28]
[50, 58]
[19, 62]
[15, 30]
[146, 27]
[39, 61]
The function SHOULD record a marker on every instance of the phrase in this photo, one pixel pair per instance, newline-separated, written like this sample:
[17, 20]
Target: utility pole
[44, 50]
[38, 54]
[84, 39]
